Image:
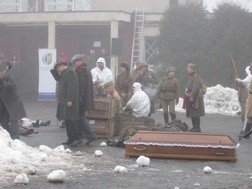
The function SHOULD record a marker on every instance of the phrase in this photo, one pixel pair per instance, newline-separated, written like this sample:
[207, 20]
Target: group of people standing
[134, 94]
[75, 96]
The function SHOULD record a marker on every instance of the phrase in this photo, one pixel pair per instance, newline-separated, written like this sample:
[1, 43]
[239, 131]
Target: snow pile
[21, 179]
[98, 153]
[218, 99]
[18, 158]
[143, 161]
[120, 169]
[57, 176]
[207, 169]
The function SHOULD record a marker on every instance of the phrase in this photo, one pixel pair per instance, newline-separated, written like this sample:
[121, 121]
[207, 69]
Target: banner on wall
[47, 84]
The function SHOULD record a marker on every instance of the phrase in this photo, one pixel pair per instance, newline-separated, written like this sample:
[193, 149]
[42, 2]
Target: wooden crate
[103, 104]
[187, 145]
[103, 128]
[121, 122]
[103, 109]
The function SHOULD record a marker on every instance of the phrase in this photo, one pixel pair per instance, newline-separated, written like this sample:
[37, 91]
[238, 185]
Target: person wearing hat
[243, 88]
[138, 106]
[113, 95]
[168, 94]
[101, 75]
[86, 97]
[193, 99]
[123, 84]
[149, 81]
[68, 102]
[11, 105]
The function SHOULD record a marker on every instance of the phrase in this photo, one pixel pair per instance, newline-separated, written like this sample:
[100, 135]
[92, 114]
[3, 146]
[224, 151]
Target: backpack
[203, 87]
[175, 126]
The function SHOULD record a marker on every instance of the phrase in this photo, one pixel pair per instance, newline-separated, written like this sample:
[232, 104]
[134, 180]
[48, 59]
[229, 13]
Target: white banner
[47, 84]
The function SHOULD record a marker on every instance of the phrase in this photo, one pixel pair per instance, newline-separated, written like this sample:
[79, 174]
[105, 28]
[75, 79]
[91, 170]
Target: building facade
[77, 26]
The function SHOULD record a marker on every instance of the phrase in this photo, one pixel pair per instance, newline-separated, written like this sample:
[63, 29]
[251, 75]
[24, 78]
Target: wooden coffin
[103, 109]
[208, 146]
[103, 128]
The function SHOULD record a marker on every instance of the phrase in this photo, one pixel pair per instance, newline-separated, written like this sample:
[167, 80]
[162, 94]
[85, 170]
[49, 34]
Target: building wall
[154, 6]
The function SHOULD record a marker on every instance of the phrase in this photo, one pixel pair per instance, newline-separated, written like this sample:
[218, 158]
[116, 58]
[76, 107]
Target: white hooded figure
[101, 74]
[246, 81]
[139, 102]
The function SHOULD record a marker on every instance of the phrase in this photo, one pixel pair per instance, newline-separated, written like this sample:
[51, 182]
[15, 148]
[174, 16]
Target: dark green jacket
[168, 89]
[68, 91]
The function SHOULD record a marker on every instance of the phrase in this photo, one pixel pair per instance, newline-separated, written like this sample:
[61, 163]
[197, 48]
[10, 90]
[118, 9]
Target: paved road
[161, 173]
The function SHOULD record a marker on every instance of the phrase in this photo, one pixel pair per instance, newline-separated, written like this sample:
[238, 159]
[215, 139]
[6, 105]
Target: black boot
[166, 117]
[173, 116]
[196, 124]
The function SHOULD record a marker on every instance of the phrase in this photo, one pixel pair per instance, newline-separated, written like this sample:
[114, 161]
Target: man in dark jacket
[148, 79]
[86, 100]
[11, 105]
[68, 102]
[193, 99]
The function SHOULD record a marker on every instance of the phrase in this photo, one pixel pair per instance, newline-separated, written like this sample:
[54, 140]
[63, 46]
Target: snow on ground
[219, 100]
[18, 158]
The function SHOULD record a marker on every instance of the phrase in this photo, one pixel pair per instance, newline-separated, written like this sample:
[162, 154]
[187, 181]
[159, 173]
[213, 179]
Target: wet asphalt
[161, 173]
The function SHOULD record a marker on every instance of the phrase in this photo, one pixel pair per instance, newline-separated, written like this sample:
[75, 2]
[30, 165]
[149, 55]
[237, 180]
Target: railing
[44, 5]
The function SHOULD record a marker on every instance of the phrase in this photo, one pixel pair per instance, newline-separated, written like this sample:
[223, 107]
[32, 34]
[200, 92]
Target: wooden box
[103, 128]
[103, 109]
[121, 122]
[188, 145]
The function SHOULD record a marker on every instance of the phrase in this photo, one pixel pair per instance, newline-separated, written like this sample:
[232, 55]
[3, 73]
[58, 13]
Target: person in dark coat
[148, 79]
[124, 82]
[193, 99]
[86, 101]
[11, 105]
[68, 102]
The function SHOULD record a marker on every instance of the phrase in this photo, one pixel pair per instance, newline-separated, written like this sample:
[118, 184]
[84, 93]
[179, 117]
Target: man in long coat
[68, 102]
[11, 105]
[193, 100]
[86, 96]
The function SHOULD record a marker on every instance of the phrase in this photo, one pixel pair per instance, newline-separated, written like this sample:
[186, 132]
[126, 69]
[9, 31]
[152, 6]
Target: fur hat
[75, 58]
[125, 65]
[108, 84]
[59, 63]
[170, 69]
[102, 60]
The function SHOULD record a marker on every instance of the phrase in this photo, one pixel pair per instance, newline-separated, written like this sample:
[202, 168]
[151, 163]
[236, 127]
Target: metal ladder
[138, 42]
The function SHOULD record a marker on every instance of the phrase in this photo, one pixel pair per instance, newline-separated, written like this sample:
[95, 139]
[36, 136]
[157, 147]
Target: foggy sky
[210, 4]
